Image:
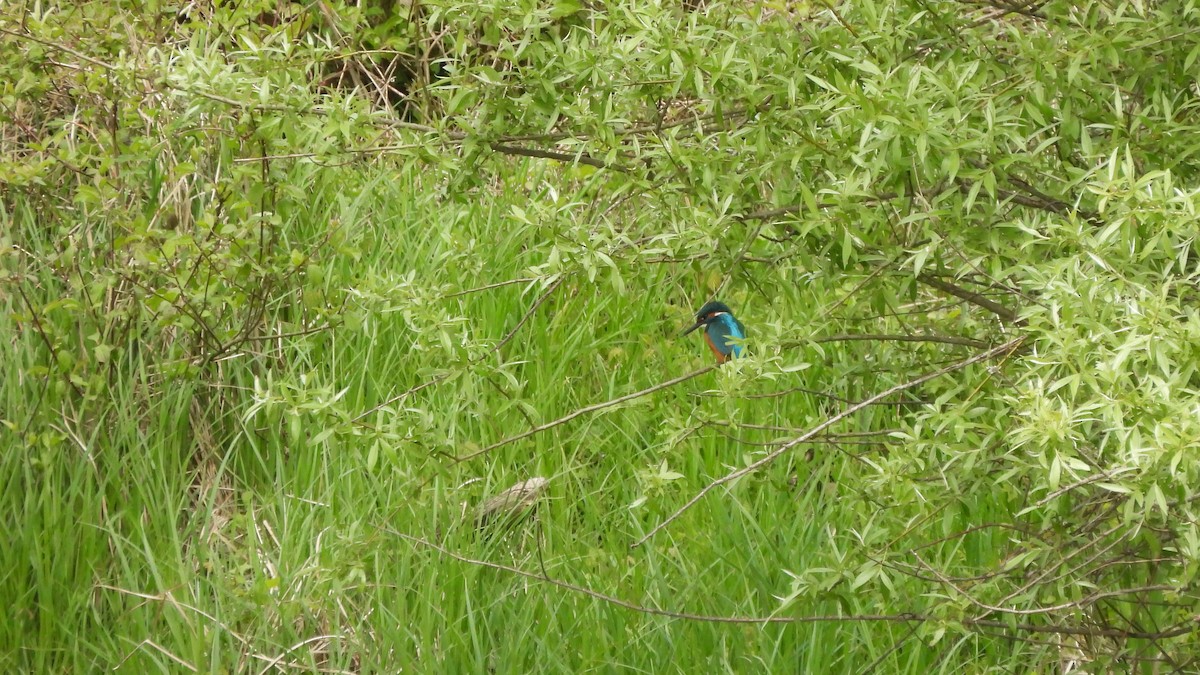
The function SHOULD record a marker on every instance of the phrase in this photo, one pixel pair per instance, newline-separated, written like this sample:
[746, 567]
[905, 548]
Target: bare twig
[169, 599]
[895, 646]
[581, 157]
[162, 651]
[586, 410]
[37, 324]
[429, 383]
[633, 606]
[811, 392]
[864, 337]
[1074, 604]
[529, 313]
[1067, 488]
[282, 655]
[1176, 631]
[488, 287]
[973, 298]
[858, 287]
[989, 354]
[739, 258]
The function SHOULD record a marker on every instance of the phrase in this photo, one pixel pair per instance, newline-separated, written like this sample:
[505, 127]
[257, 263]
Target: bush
[316, 248]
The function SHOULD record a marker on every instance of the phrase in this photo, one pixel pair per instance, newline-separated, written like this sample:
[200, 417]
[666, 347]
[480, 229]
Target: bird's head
[707, 313]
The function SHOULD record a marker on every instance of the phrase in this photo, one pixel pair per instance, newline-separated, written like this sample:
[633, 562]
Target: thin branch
[831, 438]
[169, 599]
[989, 354]
[768, 214]
[976, 528]
[895, 646]
[437, 380]
[282, 655]
[459, 136]
[62, 48]
[1067, 488]
[806, 390]
[858, 287]
[864, 337]
[738, 260]
[488, 287]
[37, 324]
[586, 410]
[162, 651]
[528, 314]
[740, 111]
[973, 298]
[636, 607]
[1191, 627]
[842, 21]
[1074, 604]
[999, 10]
[580, 158]
[277, 336]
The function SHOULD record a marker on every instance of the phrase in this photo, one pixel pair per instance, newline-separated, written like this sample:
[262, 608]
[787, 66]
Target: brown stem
[550, 154]
[865, 337]
[1003, 349]
[1176, 631]
[968, 296]
[584, 411]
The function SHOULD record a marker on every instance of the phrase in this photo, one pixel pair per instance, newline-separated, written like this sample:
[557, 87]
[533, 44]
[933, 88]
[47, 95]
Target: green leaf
[564, 8]
[373, 457]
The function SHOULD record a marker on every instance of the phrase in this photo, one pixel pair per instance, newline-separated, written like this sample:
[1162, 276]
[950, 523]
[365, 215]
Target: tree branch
[968, 296]
[580, 158]
[529, 313]
[866, 337]
[851, 618]
[584, 411]
[1003, 349]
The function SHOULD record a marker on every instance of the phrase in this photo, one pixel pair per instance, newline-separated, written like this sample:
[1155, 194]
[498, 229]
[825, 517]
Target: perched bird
[512, 503]
[719, 326]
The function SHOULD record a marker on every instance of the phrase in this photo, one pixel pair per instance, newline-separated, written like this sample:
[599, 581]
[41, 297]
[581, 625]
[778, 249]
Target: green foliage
[270, 270]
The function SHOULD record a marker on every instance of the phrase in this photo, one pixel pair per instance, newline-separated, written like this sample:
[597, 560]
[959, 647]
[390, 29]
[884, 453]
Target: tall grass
[156, 538]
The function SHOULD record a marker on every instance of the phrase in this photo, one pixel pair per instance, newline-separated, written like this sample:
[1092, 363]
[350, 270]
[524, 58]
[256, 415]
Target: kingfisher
[719, 326]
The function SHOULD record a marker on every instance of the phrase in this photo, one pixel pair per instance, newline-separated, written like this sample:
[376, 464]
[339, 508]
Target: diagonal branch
[586, 410]
[618, 601]
[1073, 604]
[968, 296]
[1003, 349]
[867, 337]
[581, 157]
[528, 314]
[1175, 631]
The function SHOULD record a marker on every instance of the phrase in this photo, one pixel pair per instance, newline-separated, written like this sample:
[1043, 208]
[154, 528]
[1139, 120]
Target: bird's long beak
[694, 327]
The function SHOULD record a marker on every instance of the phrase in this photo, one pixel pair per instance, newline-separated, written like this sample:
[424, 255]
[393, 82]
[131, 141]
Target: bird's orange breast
[721, 356]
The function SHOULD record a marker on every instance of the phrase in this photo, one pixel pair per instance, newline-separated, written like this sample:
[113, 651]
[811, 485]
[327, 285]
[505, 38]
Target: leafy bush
[346, 268]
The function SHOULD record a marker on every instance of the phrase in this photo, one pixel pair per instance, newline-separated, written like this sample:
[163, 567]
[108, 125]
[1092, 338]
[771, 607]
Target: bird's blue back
[722, 327]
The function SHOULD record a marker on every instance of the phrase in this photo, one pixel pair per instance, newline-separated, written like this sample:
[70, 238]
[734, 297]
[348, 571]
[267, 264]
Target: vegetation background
[289, 289]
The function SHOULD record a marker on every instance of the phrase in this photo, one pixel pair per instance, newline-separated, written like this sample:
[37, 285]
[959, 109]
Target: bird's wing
[740, 329]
